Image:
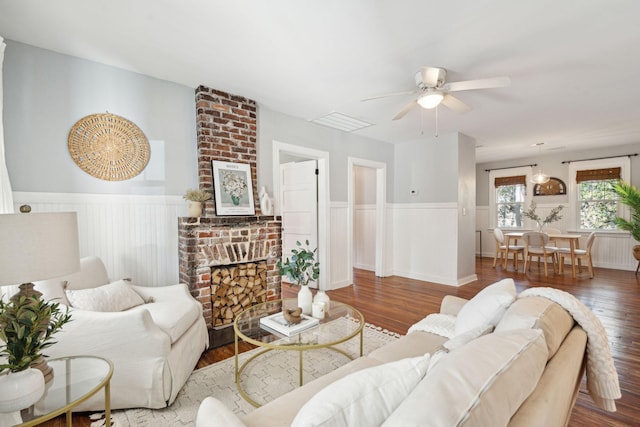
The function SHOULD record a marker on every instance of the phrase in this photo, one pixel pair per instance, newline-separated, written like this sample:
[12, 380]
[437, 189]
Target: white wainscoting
[425, 242]
[610, 250]
[135, 236]
[340, 276]
[364, 239]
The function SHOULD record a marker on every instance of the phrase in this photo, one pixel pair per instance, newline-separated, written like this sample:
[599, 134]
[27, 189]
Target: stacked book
[276, 322]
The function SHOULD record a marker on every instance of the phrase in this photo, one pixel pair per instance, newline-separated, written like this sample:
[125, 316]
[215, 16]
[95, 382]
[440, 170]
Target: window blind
[511, 180]
[598, 174]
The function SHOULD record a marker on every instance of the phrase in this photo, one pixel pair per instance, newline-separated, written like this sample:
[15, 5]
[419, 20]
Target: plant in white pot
[196, 197]
[630, 196]
[300, 269]
[27, 326]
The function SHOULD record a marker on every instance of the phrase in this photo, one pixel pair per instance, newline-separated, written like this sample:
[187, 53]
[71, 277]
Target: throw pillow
[364, 398]
[482, 383]
[487, 307]
[116, 296]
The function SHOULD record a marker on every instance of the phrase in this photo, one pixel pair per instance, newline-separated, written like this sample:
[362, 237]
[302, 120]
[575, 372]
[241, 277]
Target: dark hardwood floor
[395, 303]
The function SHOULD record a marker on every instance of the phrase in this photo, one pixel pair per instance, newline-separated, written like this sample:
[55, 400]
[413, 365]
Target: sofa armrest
[452, 305]
[213, 412]
[113, 335]
[164, 293]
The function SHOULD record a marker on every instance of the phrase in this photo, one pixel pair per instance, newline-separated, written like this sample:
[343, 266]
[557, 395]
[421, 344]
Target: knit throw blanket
[602, 377]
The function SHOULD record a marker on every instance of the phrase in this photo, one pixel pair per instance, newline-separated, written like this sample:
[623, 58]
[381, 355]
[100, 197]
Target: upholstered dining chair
[536, 244]
[580, 254]
[503, 252]
[551, 230]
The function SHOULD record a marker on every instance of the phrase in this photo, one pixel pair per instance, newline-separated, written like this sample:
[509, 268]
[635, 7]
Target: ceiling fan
[433, 90]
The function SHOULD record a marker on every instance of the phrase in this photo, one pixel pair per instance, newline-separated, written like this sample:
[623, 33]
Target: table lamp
[37, 246]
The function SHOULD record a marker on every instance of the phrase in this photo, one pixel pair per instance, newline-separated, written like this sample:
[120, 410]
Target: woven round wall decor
[108, 147]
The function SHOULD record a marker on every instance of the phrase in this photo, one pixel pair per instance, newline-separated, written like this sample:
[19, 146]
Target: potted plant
[27, 326]
[300, 270]
[630, 196]
[553, 216]
[196, 197]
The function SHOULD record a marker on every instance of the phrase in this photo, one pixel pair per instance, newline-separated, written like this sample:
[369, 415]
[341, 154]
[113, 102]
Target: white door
[299, 206]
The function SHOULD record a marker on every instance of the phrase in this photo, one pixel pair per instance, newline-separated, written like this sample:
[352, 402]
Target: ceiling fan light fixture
[430, 100]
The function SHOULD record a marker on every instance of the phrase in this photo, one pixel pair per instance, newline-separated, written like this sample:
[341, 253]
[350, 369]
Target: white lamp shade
[38, 246]
[430, 100]
[540, 178]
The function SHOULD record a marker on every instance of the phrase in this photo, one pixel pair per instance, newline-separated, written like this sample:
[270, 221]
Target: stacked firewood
[236, 288]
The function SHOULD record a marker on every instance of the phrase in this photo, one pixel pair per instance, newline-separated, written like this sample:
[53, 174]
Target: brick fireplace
[226, 128]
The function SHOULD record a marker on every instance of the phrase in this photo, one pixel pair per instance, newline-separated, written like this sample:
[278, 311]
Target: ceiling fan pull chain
[437, 121]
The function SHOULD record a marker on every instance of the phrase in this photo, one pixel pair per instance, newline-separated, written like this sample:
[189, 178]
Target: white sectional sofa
[153, 335]
[525, 372]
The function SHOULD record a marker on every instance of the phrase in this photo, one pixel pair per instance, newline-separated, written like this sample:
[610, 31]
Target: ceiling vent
[341, 122]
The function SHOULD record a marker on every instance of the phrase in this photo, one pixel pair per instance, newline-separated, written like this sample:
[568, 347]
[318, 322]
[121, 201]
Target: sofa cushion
[487, 307]
[366, 397]
[411, 345]
[174, 317]
[542, 313]
[116, 296]
[482, 383]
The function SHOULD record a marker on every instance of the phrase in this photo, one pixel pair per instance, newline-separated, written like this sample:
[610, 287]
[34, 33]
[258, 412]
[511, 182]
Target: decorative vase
[41, 364]
[195, 209]
[19, 390]
[266, 206]
[235, 200]
[321, 296]
[305, 299]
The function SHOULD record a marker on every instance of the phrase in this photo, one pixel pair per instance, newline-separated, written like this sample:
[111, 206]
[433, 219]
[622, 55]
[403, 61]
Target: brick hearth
[226, 127]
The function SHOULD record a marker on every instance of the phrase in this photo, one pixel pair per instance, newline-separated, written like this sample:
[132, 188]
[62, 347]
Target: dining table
[573, 240]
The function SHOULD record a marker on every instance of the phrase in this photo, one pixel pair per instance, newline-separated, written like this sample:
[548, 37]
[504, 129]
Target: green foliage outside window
[510, 205]
[598, 205]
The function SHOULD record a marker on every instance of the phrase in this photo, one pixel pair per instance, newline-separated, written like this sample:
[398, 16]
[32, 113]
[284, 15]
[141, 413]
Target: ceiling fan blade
[477, 84]
[431, 75]
[405, 110]
[455, 104]
[406, 92]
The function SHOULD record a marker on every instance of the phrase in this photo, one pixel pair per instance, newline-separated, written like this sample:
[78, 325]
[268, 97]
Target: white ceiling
[573, 64]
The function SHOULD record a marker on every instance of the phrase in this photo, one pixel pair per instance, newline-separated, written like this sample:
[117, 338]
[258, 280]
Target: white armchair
[154, 346]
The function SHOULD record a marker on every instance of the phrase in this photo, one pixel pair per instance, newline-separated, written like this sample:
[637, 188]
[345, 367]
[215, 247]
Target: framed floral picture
[232, 187]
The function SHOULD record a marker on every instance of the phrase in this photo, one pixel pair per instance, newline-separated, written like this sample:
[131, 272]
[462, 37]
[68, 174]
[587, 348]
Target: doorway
[280, 154]
[380, 215]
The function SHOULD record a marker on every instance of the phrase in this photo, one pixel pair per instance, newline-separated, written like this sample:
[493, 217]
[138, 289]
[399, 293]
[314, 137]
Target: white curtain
[6, 196]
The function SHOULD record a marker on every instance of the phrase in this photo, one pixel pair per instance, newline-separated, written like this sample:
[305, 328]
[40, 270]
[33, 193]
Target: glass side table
[75, 380]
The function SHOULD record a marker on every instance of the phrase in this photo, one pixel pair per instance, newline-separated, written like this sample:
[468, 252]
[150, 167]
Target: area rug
[266, 378]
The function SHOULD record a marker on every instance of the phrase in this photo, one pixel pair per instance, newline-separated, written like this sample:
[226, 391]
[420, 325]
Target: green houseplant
[300, 269]
[630, 196]
[27, 326]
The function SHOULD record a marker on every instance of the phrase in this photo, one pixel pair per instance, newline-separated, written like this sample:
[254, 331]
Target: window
[598, 202]
[595, 201]
[510, 198]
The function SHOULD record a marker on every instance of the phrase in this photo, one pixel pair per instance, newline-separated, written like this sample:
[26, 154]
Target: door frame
[381, 198]
[324, 227]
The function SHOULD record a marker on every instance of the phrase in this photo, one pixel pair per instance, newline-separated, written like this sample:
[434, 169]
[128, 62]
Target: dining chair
[503, 252]
[580, 254]
[536, 245]
[551, 230]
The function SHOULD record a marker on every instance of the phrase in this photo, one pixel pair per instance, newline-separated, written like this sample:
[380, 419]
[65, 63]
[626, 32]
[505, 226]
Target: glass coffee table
[75, 379]
[341, 323]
